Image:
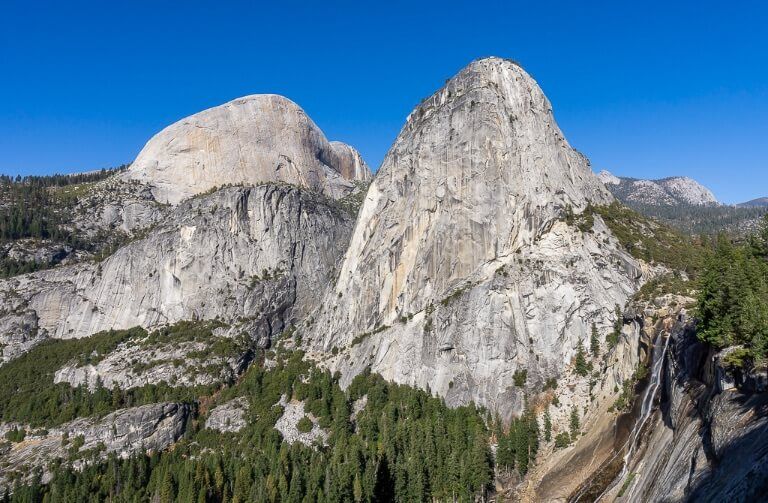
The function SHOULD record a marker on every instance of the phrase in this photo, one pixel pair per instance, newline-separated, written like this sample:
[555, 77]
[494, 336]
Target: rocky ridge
[671, 191]
[755, 203]
[149, 427]
[186, 364]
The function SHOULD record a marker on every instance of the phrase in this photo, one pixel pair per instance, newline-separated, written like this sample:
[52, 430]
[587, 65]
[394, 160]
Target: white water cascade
[647, 406]
[649, 395]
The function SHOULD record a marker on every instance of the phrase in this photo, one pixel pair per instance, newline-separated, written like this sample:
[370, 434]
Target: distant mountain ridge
[760, 202]
[670, 191]
[685, 203]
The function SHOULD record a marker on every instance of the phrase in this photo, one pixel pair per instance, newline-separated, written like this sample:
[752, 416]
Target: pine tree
[357, 488]
[547, 426]
[562, 440]
[505, 452]
[202, 495]
[167, 489]
[581, 360]
[242, 485]
[574, 422]
[218, 478]
[594, 341]
[480, 467]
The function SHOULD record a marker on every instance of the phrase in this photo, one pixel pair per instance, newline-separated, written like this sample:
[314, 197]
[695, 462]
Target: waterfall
[649, 395]
[645, 410]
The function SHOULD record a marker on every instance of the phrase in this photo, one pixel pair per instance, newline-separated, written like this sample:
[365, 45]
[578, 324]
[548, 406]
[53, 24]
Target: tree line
[732, 305]
[35, 207]
[403, 445]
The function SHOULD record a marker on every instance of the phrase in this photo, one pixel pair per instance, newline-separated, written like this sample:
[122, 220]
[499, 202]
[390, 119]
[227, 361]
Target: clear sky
[646, 89]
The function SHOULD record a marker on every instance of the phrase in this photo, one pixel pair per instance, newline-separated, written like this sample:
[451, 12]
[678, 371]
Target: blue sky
[644, 89]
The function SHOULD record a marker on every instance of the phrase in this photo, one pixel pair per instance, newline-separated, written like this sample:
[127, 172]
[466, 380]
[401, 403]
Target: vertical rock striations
[707, 441]
[466, 262]
[257, 254]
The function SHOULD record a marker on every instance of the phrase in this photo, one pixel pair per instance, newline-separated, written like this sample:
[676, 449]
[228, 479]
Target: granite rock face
[257, 255]
[287, 425]
[250, 140]
[463, 267]
[134, 365]
[40, 252]
[671, 191]
[228, 417]
[703, 443]
[349, 162]
[117, 205]
[149, 427]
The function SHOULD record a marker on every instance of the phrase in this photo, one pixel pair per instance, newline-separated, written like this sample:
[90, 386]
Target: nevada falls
[484, 263]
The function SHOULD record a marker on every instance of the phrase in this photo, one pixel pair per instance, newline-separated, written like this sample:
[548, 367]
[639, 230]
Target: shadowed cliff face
[709, 439]
[152, 427]
[705, 439]
[462, 250]
[254, 139]
[259, 254]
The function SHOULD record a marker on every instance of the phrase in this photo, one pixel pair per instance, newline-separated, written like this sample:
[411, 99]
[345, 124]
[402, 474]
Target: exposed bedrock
[257, 255]
[462, 267]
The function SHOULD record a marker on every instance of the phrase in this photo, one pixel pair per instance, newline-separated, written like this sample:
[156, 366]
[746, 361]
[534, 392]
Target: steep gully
[699, 429]
[658, 355]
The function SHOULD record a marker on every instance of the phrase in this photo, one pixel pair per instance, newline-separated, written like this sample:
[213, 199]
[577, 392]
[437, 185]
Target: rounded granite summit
[254, 139]
[463, 267]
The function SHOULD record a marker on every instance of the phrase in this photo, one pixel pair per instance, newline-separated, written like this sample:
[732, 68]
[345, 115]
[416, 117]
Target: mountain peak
[504, 78]
[670, 191]
[253, 139]
[471, 202]
[494, 107]
[688, 190]
[493, 64]
[754, 203]
[607, 177]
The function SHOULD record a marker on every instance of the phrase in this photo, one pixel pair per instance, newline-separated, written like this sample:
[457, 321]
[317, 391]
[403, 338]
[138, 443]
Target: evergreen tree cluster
[652, 241]
[60, 180]
[698, 219]
[404, 445]
[30, 209]
[733, 296]
[518, 445]
[39, 207]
